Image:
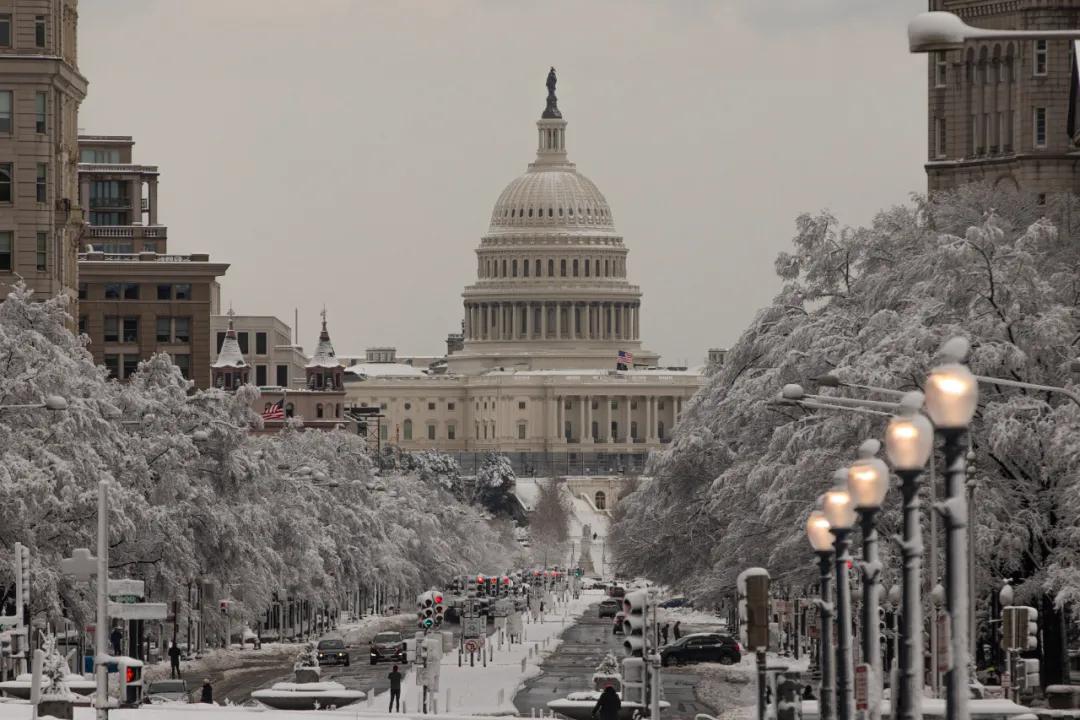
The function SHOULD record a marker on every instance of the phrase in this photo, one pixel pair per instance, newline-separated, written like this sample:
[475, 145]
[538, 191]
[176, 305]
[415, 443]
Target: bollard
[523, 665]
[447, 708]
[500, 697]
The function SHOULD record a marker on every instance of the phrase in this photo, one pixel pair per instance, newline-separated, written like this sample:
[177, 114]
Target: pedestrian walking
[676, 633]
[664, 633]
[117, 639]
[395, 689]
[174, 661]
[608, 706]
[207, 696]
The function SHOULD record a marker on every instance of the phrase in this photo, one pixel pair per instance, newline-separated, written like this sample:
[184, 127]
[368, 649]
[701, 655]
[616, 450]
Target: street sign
[471, 645]
[862, 686]
[127, 588]
[472, 627]
[138, 611]
[81, 564]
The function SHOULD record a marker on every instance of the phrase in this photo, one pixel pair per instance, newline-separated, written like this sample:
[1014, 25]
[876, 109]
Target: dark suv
[333, 652]
[702, 647]
[388, 646]
[608, 608]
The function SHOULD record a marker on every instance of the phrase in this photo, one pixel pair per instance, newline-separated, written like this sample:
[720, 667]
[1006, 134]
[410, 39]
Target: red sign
[862, 686]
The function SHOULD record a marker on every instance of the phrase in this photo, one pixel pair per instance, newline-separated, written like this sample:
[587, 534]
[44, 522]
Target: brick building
[998, 111]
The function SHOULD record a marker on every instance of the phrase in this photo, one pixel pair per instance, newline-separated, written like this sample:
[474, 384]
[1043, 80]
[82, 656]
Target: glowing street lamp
[822, 540]
[839, 510]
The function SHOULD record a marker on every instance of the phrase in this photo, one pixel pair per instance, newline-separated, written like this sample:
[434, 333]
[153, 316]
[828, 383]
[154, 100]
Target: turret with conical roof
[230, 370]
[324, 372]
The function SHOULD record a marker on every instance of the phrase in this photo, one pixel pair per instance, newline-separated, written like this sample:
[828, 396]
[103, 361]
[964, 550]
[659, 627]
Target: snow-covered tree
[495, 481]
[549, 522]
[872, 305]
[54, 668]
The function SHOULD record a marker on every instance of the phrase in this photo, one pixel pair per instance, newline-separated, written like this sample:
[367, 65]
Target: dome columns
[596, 320]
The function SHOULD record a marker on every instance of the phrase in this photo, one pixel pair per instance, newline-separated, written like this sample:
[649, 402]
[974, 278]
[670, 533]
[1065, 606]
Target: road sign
[138, 611]
[471, 645]
[128, 588]
[862, 686]
[81, 564]
[472, 627]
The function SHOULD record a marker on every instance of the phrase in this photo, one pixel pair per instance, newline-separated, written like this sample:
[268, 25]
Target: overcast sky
[349, 153]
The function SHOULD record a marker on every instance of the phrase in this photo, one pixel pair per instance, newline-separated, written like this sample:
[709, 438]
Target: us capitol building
[533, 374]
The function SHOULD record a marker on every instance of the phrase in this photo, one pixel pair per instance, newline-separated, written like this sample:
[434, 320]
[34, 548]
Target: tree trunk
[1054, 663]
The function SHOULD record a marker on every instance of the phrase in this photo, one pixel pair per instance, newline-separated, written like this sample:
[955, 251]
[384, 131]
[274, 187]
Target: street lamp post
[821, 540]
[909, 440]
[951, 398]
[868, 482]
[939, 31]
[840, 513]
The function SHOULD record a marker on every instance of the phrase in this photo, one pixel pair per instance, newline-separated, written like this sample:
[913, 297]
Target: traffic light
[634, 685]
[1019, 628]
[1029, 674]
[481, 585]
[635, 609]
[438, 606]
[753, 587]
[21, 561]
[425, 611]
[131, 682]
[1032, 634]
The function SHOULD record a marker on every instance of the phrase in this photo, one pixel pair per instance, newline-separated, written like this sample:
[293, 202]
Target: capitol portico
[535, 373]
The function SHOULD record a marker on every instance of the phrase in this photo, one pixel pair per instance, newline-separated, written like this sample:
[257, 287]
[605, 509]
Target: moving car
[388, 646]
[161, 691]
[608, 608]
[617, 623]
[616, 591]
[702, 647]
[676, 602]
[333, 652]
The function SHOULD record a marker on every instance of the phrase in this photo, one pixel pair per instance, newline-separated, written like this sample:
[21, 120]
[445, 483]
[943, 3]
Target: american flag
[275, 411]
[625, 358]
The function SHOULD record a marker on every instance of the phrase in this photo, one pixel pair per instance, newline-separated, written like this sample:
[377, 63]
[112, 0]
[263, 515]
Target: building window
[242, 339]
[112, 328]
[586, 268]
[40, 108]
[1041, 54]
[504, 268]
[521, 405]
[5, 112]
[318, 410]
[5, 182]
[384, 432]
[41, 186]
[406, 428]
[82, 324]
[513, 268]
[164, 329]
[660, 405]
[595, 405]
[42, 253]
[131, 365]
[130, 330]
[260, 343]
[522, 429]
[5, 30]
[430, 432]
[382, 406]
[451, 432]
[181, 329]
[575, 268]
[595, 430]
[408, 406]
[600, 500]
[614, 404]
[282, 375]
[5, 251]
[525, 268]
[112, 364]
[1040, 127]
[567, 430]
[220, 340]
[131, 291]
[183, 291]
[164, 292]
[39, 31]
[260, 375]
[660, 429]
[450, 406]
[633, 429]
[551, 268]
[562, 267]
[184, 363]
[431, 406]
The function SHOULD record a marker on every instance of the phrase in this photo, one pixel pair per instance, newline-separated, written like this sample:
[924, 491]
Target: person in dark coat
[395, 689]
[608, 706]
[664, 634]
[117, 639]
[207, 696]
[675, 631]
[174, 661]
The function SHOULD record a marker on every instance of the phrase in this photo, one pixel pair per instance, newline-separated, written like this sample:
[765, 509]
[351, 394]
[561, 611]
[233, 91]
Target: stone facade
[40, 92]
[998, 111]
[536, 373]
[266, 344]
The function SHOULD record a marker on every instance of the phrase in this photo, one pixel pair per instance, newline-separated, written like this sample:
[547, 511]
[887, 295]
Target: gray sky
[349, 152]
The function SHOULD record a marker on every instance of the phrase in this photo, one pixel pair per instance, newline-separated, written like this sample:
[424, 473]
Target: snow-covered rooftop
[384, 370]
[324, 354]
[230, 356]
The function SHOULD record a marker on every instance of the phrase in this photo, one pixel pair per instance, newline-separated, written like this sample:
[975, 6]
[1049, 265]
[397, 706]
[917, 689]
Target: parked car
[332, 652]
[162, 691]
[608, 608]
[616, 591]
[617, 623]
[388, 646]
[676, 602]
[702, 647]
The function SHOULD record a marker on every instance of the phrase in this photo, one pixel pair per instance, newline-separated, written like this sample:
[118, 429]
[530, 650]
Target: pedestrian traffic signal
[131, 682]
[634, 685]
[635, 610]
[481, 585]
[425, 610]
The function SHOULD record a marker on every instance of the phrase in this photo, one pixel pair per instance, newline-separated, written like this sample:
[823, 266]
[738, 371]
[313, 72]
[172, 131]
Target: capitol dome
[548, 196]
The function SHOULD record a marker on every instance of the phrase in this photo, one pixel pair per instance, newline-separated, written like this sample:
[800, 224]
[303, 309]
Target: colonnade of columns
[556, 320]
[572, 418]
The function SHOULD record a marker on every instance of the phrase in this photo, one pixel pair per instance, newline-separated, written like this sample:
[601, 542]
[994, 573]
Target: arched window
[406, 428]
[660, 429]
[522, 429]
[551, 212]
[614, 431]
[575, 268]
[551, 268]
[530, 212]
[600, 500]
[571, 211]
[318, 410]
[596, 267]
[586, 268]
[504, 269]
[560, 212]
[337, 410]
[525, 268]
[595, 430]
[513, 268]
[633, 430]
[562, 267]
[567, 430]
[607, 268]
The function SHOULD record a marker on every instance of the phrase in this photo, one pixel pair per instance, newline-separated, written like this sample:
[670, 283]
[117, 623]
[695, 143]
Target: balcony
[110, 203]
[142, 257]
[148, 232]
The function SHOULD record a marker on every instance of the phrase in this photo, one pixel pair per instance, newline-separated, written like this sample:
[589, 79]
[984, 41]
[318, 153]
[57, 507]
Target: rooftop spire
[324, 353]
[229, 356]
[552, 109]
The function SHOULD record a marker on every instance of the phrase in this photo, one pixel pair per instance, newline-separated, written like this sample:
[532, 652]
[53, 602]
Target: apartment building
[265, 343]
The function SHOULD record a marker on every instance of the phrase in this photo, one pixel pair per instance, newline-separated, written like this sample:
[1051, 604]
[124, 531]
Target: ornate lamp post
[817, 530]
[952, 395]
[868, 482]
[909, 439]
[840, 512]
